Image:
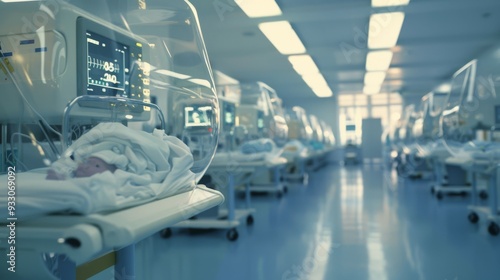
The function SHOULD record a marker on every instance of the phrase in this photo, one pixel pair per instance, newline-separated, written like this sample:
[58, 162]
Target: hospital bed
[469, 112]
[261, 112]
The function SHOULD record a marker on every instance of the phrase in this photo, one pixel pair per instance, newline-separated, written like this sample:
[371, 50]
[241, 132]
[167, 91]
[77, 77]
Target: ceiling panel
[437, 37]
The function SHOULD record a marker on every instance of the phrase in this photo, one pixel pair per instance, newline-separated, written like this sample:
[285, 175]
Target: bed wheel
[166, 233]
[473, 218]
[280, 194]
[439, 195]
[493, 229]
[483, 195]
[250, 220]
[232, 234]
[285, 189]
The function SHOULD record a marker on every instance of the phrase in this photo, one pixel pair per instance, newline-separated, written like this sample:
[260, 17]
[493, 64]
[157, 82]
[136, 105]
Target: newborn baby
[96, 163]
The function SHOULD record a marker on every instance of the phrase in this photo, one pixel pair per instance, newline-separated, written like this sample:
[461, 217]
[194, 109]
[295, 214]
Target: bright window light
[378, 60]
[384, 30]
[283, 37]
[259, 8]
[303, 64]
[315, 80]
[374, 78]
[368, 89]
[388, 3]
[323, 92]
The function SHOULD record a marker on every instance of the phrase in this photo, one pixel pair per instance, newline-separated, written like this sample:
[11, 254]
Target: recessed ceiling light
[378, 60]
[384, 30]
[303, 64]
[283, 37]
[374, 78]
[368, 89]
[259, 8]
[315, 80]
[323, 92]
[388, 3]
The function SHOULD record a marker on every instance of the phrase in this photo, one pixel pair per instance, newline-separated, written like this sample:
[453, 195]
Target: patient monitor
[72, 53]
[229, 94]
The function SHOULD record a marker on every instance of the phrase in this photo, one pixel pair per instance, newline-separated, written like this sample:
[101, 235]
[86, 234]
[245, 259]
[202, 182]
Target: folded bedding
[264, 145]
[150, 166]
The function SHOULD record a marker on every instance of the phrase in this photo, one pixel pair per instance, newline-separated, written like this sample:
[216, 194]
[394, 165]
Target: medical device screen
[229, 116]
[198, 116]
[107, 65]
[260, 121]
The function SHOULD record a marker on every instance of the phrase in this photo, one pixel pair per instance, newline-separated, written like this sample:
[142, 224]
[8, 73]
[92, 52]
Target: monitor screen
[229, 118]
[111, 63]
[198, 116]
[228, 114]
[350, 127]
[107, 65]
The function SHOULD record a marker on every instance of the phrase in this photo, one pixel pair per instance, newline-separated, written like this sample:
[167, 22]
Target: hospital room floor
[357, 222]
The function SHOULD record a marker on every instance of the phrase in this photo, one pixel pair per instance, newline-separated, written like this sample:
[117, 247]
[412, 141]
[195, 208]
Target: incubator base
[440, 191]
[84, 238]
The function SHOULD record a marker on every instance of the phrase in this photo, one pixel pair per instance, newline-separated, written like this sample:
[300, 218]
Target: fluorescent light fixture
[384, 30]
[282, 36]
[303, 64]
[315, 80]
[388, 3]
[378, 60]
[259, 8]
[374, 78]
[322, 91]
[368, 89]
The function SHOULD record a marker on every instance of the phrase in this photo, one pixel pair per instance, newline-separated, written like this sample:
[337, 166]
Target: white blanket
[158, 166]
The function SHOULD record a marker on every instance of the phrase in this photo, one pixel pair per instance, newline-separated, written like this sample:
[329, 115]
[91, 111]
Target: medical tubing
[22, 95]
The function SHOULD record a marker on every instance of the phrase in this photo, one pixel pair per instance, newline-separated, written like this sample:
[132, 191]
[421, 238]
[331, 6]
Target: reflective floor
[349, 223]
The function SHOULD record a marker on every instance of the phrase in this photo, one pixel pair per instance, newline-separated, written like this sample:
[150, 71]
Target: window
[353, 108]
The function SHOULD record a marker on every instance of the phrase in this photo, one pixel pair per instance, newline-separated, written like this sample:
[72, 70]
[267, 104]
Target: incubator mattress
[158, 166]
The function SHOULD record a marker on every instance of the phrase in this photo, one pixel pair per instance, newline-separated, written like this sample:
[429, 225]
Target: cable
[16, 158]
[24, 98]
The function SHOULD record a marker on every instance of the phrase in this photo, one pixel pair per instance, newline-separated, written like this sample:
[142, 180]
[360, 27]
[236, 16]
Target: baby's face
[91, 166]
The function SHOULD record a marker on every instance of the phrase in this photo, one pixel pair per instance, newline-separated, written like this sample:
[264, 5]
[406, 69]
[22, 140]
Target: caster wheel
[285, 189]
[250, 220]
[473, 218]
[432, 190]
[439, 195]
[493, 229]
[483, 195]
[280, 194]
[166, 233]
[232, 234]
